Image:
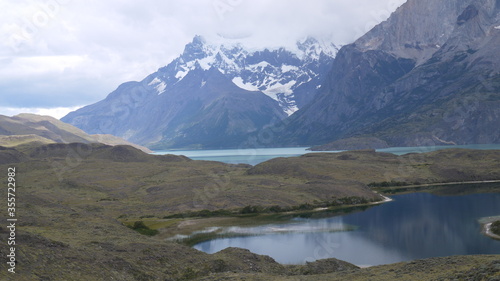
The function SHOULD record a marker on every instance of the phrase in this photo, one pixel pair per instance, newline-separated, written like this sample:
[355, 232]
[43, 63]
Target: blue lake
[257, 155]
[413, 226]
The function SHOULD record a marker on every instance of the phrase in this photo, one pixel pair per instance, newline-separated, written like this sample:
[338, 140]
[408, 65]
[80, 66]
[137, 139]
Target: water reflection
[414, 226]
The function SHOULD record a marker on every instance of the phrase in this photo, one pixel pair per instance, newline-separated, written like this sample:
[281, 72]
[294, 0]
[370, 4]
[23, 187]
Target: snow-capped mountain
[287, 76]
[211, 96]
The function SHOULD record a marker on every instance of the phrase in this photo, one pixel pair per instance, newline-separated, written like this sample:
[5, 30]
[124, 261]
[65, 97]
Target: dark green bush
[495, 227]
[251, 210]
[140, 227]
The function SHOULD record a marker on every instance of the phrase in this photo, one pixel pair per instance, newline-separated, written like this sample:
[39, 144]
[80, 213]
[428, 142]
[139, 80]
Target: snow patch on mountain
[259, 66]
[180, 74]
[160, 88]
[154, 81]
[288, 68]
[238, 81]
[277, 72]
[277, 88]
[291, 110]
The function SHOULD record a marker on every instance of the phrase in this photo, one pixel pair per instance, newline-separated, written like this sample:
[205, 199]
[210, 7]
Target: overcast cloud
[56, 55]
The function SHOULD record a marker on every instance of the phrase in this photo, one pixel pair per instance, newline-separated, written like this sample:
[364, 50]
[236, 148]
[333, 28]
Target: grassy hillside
[16, 140]
[32, 129]
[376, 168]
[74, 201]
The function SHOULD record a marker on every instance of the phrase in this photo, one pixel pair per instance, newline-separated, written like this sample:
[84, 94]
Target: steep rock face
[428, 75]
[416, 30]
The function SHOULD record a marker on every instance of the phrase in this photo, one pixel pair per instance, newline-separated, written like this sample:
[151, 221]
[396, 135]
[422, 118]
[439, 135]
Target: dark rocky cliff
[429, 75]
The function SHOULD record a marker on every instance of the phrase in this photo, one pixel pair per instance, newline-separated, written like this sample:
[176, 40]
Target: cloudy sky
[58, 55]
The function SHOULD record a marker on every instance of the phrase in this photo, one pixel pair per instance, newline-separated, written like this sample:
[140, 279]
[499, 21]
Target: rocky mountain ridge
[280, 73]
[429, 75]
[211, 96]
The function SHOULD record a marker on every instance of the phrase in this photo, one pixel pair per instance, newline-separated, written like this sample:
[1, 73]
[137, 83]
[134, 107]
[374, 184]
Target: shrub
[495, 227]
[143, 229]
[387, 184]
[275, 209]
[250, 210]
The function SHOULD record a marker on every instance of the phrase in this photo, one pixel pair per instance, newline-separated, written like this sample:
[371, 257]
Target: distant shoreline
[388, 188]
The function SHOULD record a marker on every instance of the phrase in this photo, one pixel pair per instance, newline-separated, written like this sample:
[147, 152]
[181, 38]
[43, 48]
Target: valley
[77, 214]
[212, 157]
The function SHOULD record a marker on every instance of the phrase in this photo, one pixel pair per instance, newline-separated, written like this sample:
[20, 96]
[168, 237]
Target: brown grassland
[76, 204]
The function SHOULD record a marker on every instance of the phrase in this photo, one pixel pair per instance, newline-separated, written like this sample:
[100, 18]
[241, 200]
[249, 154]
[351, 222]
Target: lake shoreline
[486, 226]
[489, 233]
[407, 188]
[370, 221]
[197, 223]
[200, 224]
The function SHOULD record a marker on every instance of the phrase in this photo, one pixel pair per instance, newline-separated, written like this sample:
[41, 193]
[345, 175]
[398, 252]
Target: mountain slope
[211, 96]
[31, 128]
[204, 109]
[429, 75]
[43, 126]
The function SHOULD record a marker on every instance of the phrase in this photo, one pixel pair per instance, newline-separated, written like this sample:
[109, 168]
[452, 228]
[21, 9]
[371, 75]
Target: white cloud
[56, 112]
[63, 53]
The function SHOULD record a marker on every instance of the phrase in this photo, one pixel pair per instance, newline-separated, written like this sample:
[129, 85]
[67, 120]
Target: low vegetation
[391, 184]
[255, 209]
[495, 227]
[140, 227]
[77, 201]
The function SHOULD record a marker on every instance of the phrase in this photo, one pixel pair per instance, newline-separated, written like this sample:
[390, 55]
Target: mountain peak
[212, 94]
[198, 39]
[195, 49]
[313, 48]
[284, 75]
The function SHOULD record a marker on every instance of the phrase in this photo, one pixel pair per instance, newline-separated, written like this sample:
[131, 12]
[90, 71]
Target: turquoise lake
[254, 156]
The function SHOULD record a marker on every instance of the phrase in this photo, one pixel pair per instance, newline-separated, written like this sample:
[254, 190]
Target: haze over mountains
[429, 75]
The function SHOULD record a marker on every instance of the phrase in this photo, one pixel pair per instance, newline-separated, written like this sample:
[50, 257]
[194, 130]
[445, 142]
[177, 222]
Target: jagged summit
[279, 73]
[315, 48]
[211, 96]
